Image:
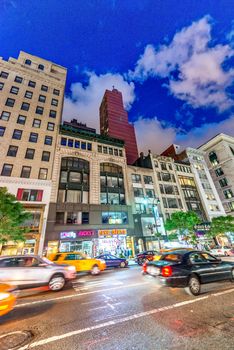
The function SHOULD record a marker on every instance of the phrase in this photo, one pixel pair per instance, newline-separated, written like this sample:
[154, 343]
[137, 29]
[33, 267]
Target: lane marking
[121, 320]
[80, 294]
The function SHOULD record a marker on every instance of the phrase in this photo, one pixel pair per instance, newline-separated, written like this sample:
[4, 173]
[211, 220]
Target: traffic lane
[201, 323]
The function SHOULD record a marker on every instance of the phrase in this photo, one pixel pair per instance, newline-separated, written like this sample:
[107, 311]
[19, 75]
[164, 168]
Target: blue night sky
[172, 59]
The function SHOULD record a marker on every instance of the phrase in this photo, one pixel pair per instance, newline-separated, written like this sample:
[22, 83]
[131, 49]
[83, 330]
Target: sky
[173, 60]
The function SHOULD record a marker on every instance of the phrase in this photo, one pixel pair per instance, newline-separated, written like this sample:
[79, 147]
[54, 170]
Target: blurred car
[113, 261]
[7, 298]
[147, 255]
[80, 261]
[28, 271]
[163, 251]
[222, 251]
[189, 269]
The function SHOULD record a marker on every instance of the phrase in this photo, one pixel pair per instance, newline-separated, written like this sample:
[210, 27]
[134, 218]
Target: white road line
[80, 294]
[121, 320]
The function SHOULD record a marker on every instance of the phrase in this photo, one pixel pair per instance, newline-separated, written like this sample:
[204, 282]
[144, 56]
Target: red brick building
[114, 123]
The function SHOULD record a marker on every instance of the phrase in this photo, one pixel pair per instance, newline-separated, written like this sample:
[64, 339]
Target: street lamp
[151, 227]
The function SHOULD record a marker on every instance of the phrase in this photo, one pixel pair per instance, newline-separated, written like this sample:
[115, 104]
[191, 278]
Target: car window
[19, 262]
[30, 262]
[113, 257]
[208, 257]
[57, 256]
[197, 258]
[172, 257]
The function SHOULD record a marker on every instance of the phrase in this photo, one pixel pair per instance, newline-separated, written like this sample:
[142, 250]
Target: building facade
[114, 123]
[31, 101]
[219, 155]
[89, 209]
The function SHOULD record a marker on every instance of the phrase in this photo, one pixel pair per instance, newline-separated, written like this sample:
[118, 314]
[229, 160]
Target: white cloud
[85, 99]
[201, 80]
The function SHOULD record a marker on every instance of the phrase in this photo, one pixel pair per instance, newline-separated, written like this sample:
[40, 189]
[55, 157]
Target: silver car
[27, 271]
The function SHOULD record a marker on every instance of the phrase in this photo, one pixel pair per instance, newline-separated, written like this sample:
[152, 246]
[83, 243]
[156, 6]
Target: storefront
[112, 241]
[29, 246]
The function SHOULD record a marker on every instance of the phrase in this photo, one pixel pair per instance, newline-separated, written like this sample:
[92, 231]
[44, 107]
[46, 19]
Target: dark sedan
[146, 256]
[113, 261]
[189, 269]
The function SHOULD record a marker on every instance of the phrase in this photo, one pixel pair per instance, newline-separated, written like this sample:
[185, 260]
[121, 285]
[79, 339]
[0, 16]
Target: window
[70, 143]
[39, 110]
[28, 94]
[50, 126]
[120, 153]
[169, 189]
[42, 98]
[83, 145]
[14, 90]
[44, 88]
[25, 172]
[29, 153]
[29, 195]
[59, 220]
[43, 174]
[115, 218]
[17, 134]
[63, 141]
[163, 166]
[113, 198]
[52, 114]
[111, 151]
[1, 85]
[115, 152]
[33, 137]
[148, 180]
[105, 150]
[172, 203]
[213, 158]
[5, 115]
[138, 192]
[25, 106]
[41, 67]
[28, 62]
[4, 75]
[74, 196]
[161, 188]
[7, 169]
[2, 130]
[54, 102]
[140, 208]
[18, 79]
[223, 182]
[228, 194]
[48, 140]
[136, 178]
[56, 92]
[21, 119]
[75, 177]
[12, 151]
[10, 102]
[99, 149]
[219, 172]
[36, 123]
[45, 156]
[31, 83]
[150, 193]
[89, 146]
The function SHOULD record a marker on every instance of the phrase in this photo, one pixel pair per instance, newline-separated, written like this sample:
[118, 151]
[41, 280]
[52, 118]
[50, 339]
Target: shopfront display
[112, 241]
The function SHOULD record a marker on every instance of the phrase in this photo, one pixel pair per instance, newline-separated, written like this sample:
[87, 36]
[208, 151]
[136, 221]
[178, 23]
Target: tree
[220, 225]
[12, 218]
[183, 223]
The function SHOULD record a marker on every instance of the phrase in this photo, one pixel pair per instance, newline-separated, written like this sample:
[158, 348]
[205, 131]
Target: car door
[11, 271]
[114, 260]
[222, 269]
[202, 267]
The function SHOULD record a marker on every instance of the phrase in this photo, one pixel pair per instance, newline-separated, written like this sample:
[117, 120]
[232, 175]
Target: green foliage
[12, 217]
[183, 223]
[221, 225]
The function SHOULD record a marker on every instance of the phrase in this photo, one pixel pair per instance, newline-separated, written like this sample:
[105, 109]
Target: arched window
[74, 180]
[28, 62]
[112, 184]
[41, 67]
[213, 158]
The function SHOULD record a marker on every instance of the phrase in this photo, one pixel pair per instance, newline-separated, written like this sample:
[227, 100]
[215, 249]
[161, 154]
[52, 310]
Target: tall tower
[114, 123]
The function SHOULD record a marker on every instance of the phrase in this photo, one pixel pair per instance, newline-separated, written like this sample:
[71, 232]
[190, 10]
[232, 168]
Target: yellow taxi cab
[80, 261]
[7, 299]
[162, 251]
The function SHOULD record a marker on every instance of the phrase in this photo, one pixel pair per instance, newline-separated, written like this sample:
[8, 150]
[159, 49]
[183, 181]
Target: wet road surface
[122, 309]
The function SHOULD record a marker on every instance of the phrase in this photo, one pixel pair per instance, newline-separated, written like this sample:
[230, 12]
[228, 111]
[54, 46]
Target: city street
[122, 309]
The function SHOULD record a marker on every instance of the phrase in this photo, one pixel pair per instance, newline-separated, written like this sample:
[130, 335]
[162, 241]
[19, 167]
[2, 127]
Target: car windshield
[172, 257]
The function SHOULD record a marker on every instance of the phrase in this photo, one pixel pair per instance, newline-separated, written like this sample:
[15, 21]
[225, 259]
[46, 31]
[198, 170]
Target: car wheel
[194, 286]
[95, 270]
[232, 273]
[56, 283]
[122, 264]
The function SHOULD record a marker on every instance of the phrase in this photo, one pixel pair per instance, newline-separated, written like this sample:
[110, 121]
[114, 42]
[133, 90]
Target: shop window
[115, 218]
[29, 195]
[136, 178]
[148, 180]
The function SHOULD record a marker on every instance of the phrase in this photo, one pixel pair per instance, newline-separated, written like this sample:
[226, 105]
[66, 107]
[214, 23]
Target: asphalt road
[121, 309]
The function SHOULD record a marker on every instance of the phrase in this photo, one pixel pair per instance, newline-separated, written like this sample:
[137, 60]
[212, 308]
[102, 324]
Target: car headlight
[71, 268]
[102, 261]
[4, 296]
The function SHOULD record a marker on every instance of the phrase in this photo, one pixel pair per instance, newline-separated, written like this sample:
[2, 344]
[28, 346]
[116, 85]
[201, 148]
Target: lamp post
[151, 227]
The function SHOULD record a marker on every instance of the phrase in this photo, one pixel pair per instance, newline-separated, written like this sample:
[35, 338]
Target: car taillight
[144, 267]
[166, 271]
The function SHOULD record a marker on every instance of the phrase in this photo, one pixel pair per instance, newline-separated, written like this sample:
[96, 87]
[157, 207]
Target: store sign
[205, 226]
[111, 233]
[76, 234]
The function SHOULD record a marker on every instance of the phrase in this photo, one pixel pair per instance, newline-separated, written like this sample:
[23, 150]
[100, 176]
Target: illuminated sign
[70, 234]
[111, 233]
[77, 234]
[86, 233]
